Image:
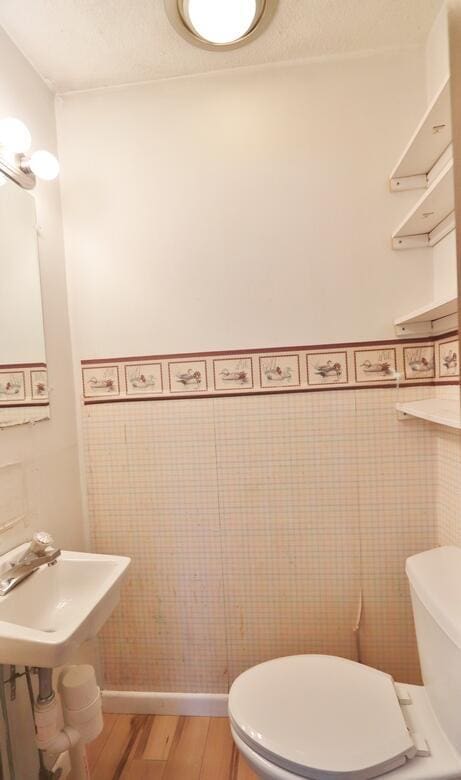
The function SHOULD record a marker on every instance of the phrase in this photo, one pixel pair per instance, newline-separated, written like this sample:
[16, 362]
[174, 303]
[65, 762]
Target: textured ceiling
[82, 44]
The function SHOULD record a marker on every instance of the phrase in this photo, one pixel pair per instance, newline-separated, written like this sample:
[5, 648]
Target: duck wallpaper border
[379, 364]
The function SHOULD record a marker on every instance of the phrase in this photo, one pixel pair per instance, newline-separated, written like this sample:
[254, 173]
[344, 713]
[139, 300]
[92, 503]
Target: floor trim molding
[153, 703]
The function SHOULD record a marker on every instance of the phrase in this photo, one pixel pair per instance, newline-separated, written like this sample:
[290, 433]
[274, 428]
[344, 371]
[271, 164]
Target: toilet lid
[321, 717]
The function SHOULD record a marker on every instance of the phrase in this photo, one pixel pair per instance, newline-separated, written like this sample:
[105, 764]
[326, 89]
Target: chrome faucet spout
[39, 553]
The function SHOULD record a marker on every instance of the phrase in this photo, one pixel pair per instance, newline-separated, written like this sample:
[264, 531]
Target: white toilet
[326, 718]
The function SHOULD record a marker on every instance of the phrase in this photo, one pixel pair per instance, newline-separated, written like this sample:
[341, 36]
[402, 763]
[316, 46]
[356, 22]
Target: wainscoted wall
[252, 520]
[254, 523]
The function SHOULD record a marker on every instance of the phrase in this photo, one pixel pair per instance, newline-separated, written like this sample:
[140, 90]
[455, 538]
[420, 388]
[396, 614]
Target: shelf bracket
[422, 328]
[420, 241]
[417, 329]
[442, 229]
[425, 240]
[417, 182]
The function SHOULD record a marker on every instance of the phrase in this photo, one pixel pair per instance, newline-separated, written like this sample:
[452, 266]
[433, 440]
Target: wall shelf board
[430, 139]
[443, 411]
[428, 319]
[432, 218]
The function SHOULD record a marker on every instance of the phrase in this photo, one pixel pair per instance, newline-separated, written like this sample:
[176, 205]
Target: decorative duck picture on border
[39, 384]
[381, 367]
[40, 389]
[106, 383]
[329, 369]
[101, 381]
[450, 362]
[189, 377]
[275, 373]
[144, 378]
[141, 381]
[233, 373]
[419, 361]
[11, 386]
[374, 365]
[239, 375]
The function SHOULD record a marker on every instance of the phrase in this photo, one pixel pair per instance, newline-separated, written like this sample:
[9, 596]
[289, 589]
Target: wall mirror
[23, 373]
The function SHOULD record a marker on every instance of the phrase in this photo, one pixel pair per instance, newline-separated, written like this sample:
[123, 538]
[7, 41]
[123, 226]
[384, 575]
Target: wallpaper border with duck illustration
[23, 384]
[427, 361]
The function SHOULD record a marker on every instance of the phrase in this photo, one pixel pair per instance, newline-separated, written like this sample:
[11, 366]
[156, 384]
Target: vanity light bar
[10, 167]
[15, 162]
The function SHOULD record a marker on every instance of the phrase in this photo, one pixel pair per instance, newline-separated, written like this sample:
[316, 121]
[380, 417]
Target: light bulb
[14, 135]
[44, 165]
[221, 21]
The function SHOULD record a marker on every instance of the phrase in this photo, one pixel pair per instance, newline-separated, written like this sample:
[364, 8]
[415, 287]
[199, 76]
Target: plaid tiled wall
[448, 501]
[254, 522]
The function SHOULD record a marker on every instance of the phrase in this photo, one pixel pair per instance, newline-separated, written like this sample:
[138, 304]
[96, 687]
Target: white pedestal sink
[50, 614]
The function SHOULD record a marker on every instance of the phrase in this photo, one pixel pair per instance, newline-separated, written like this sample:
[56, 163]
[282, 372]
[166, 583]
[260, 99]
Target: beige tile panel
[448, 459]
[254, 522]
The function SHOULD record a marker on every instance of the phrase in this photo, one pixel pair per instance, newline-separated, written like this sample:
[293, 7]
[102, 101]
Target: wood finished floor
[166, 747]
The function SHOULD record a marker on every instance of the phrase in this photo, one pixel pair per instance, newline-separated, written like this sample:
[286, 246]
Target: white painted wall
[437, 58]
[247, 208]
[48, 450]
[445, 280]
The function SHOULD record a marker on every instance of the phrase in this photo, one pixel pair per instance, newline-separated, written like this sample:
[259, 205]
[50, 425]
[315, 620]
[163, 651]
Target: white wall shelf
[432, 218]
[429, 141]
[436, 317]
[442, 411]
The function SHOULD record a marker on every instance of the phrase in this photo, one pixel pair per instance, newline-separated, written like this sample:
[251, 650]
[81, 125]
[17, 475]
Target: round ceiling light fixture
[220, 24]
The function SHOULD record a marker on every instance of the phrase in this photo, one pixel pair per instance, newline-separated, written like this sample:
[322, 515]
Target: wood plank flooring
[166, 747]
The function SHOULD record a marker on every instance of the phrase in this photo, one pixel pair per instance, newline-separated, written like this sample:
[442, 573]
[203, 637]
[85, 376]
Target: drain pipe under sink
[69, 721]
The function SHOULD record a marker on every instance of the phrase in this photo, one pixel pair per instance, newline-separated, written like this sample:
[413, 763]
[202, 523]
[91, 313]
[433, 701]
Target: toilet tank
[435, 586]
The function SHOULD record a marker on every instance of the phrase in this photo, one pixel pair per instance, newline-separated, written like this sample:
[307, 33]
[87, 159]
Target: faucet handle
[40, 541]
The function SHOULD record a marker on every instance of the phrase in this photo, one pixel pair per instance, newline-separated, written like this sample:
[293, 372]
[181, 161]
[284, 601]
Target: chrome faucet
[41, 551]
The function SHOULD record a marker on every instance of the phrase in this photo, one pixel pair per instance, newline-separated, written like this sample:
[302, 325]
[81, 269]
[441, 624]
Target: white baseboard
[150, 703]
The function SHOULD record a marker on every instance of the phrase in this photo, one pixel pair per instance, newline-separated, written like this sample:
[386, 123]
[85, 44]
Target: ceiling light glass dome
[220, 21]
[220, 24]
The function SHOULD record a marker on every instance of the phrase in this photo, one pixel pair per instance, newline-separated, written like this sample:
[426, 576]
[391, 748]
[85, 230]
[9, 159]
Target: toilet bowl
[326, 718]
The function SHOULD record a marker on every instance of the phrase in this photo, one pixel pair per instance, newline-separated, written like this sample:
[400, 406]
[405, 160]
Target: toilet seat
[321, 717]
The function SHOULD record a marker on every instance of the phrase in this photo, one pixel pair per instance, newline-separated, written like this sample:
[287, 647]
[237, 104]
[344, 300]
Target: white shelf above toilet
[426, 146]
[436, 317]
[432, 218]
[427, 164]
[443, 411]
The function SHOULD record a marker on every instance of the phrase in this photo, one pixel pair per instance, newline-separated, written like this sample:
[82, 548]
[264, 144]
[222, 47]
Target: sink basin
[51, 613]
